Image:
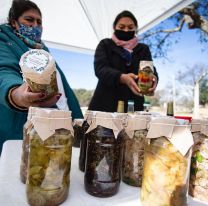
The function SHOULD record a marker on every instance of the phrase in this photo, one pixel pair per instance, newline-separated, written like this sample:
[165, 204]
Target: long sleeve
[105, 73]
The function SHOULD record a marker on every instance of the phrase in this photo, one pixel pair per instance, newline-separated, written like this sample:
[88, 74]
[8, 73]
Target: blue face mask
[33, 33]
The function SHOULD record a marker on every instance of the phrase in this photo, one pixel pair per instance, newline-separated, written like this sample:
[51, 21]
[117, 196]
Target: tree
[193, 76]
[84, 96]
[204, 91]
[160, 39]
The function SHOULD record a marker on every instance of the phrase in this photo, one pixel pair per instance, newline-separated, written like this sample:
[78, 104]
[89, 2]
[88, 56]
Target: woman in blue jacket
[21, 33]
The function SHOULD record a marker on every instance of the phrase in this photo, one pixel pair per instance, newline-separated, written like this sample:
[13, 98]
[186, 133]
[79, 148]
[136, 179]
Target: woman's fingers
[129, 80]
[49, 102]
[154, 85]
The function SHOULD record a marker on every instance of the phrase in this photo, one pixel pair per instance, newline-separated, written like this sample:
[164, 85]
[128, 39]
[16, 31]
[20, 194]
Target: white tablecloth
[12, 191]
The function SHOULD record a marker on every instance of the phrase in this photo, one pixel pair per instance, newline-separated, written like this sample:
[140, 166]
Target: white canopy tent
[81, 24]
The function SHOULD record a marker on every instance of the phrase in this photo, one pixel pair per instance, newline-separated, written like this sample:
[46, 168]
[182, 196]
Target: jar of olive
[49, 164]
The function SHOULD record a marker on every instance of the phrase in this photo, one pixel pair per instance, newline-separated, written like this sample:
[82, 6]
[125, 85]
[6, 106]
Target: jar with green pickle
[49, 164]
[25, 144]
[103, 158]
[198, 184]
[167, 163]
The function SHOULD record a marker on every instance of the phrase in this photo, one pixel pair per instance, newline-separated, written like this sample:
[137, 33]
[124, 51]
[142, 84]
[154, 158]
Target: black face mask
[124, 35]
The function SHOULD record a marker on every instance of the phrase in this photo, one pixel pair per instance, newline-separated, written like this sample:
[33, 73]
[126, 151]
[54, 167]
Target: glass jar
[198, 184]
[145, 76]
[49, 159]
[39, 71]
[133, 158]
[165, 177]
[25, 145]
[130, 108]
[83, 147]
[103, 162]
[49, 168]
[78, 132]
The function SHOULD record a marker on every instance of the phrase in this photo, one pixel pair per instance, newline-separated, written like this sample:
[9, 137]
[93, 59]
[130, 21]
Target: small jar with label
[39, 71]
[145, 77]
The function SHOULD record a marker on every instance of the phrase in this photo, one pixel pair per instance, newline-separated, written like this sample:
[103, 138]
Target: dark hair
[125, 13]
[19, 7]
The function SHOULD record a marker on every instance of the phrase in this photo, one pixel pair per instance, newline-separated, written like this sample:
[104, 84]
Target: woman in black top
[116, 65]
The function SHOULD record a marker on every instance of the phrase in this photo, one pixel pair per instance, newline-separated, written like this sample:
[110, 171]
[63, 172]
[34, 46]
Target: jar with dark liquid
[103, 162]
[83, 146]
[78, 132]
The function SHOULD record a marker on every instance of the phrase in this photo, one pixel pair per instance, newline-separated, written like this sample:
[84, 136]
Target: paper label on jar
[135, 123]
[204, 127]
[36, 60]
[144, 64]
[195, 125]
[78, 122]
[177, 131]
[107, 120]
[46, 121]
[38, 66]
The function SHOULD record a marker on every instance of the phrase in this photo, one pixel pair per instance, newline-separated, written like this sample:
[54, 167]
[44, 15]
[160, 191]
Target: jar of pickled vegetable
[133, 155]
[103, 156]
[145, 76]
[167, 163]
[198, 184]
[83, 144]
[78, 132]
[39, 71]
[49, 158]
[25, 145]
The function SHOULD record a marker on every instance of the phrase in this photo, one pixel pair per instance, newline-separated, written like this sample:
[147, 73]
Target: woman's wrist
[12, 102]
[123, 78]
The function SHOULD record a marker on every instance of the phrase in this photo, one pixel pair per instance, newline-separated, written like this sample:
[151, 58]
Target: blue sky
[79, 70]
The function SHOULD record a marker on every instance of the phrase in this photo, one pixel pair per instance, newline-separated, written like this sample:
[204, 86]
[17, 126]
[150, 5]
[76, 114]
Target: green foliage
[204, 91]
[84, 96]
